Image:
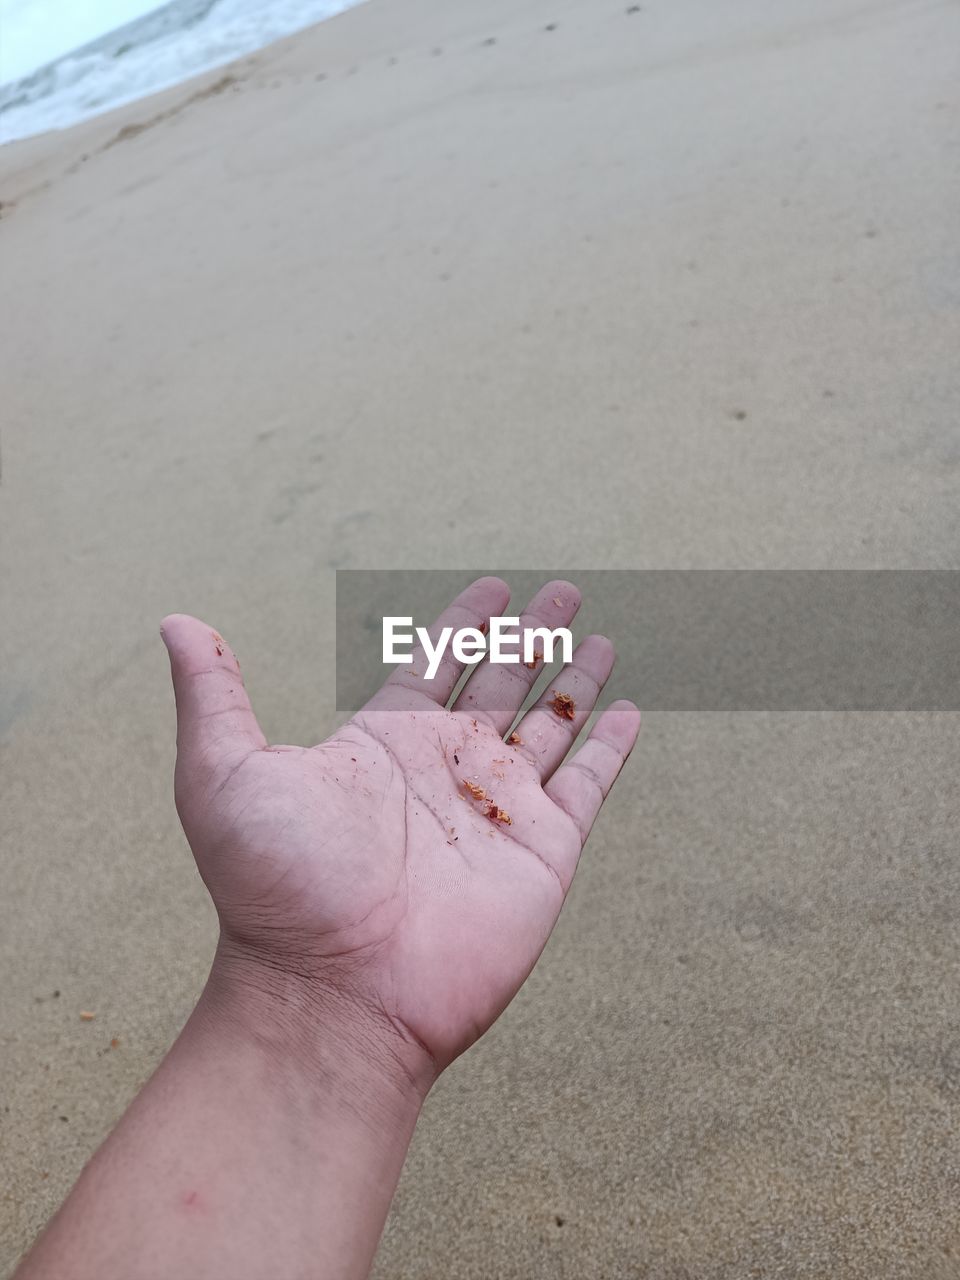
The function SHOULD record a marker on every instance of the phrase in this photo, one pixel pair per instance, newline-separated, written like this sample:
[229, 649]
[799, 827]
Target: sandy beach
[565, 283]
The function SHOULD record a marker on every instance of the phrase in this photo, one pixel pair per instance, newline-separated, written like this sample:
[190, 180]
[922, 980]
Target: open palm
[415, 862]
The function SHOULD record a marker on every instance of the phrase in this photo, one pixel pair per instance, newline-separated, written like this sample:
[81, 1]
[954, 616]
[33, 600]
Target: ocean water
[151, 53]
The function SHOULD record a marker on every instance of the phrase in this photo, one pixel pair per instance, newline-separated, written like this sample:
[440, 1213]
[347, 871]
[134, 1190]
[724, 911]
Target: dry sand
[431, 285]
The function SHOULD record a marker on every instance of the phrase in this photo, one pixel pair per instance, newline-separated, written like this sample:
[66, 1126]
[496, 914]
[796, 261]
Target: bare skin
[382, 897]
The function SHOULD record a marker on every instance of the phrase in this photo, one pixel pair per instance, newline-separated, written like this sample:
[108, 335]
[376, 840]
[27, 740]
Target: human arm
[375, 919]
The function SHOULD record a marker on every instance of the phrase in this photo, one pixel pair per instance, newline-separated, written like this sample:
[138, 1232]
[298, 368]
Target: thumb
[216, 726]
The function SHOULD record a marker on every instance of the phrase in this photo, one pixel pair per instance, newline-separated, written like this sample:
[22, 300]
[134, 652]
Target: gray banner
[710, 640]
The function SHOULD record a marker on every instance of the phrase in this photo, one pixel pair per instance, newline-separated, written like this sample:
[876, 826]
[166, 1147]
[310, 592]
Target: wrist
[269, 1142]
[309, 1027]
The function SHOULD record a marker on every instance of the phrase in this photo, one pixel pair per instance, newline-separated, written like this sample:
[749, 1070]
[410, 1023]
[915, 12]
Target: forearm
[268, 1143]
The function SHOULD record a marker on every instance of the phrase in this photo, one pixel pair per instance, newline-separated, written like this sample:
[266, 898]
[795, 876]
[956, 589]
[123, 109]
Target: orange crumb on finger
[498, 815]
[563, 705]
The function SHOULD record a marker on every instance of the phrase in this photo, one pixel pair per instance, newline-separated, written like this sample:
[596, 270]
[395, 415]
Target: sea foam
[160, 49]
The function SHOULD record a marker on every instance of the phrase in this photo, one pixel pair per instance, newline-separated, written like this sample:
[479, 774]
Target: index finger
[474, 607]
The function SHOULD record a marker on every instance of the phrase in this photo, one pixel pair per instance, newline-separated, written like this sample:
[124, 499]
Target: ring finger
[549, 729]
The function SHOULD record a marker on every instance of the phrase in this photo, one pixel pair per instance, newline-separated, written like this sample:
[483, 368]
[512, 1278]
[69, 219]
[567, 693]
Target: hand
[382, 896]
[409, 870]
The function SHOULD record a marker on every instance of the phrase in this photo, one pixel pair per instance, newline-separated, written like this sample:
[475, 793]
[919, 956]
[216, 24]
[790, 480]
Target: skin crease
[377, 914]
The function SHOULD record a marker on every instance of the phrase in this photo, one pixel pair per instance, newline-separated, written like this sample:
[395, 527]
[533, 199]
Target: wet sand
[553, 284]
